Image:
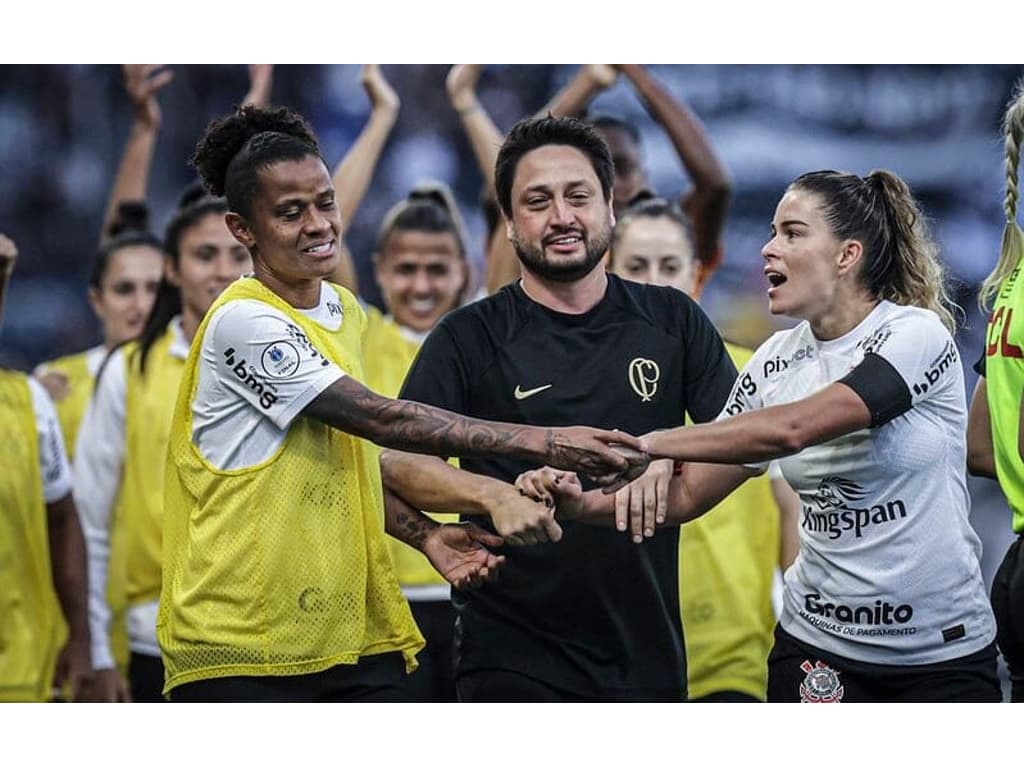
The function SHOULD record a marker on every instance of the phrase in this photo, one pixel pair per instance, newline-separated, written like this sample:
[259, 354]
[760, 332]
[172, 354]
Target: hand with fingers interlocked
[520, 519]
[559, 490]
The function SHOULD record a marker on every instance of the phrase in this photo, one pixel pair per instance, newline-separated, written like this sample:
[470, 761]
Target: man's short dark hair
[533, 133]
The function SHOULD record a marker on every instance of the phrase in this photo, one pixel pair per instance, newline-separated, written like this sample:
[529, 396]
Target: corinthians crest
[643, 377]
[821, 686]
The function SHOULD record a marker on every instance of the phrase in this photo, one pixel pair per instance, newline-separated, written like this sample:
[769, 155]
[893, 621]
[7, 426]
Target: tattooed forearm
[410, 426]
[404, 522]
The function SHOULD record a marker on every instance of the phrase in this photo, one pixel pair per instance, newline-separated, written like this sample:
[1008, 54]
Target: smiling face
[804, 259]
[561, 224]
[209, 259]
[655, 250]
[127, 291]
[294, 225]
[421, 275]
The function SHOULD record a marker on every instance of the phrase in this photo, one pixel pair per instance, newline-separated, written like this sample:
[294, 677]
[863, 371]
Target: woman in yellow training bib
[44, 632]
[277, 583]
[119, 459]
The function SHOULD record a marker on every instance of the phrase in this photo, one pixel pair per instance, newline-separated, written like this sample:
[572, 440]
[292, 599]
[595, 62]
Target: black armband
[881, 387]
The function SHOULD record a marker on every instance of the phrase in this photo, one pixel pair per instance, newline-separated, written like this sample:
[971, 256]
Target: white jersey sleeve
[746, 392]
[746, 395]
[53, 458]
[99, 459]
[920, 350]
[260, 356]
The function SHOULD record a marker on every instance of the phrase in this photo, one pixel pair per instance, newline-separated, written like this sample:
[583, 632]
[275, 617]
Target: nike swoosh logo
[523, 394]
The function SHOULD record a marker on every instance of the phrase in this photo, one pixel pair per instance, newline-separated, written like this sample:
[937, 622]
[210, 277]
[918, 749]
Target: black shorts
[146, 677]
[374, 678]
[504, 685]
[434, 678]
[1008, 606]
[798, 672]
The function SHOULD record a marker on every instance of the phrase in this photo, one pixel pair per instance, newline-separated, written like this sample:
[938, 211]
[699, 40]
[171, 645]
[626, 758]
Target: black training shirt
[594, 614]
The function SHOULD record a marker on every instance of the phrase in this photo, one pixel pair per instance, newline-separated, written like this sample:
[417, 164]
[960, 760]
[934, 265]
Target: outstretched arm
[766, 433]
[691, 493]
[141, 82]
[409, 426]
[708, 201]
[575, 97]
[353, 174]
[430, 483]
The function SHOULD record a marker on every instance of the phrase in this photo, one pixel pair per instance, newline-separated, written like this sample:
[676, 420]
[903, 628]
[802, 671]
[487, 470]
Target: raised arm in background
[261, 80]
[501, 264]
[575, 97]
[708, 200]
[141, 82]
[353, 174]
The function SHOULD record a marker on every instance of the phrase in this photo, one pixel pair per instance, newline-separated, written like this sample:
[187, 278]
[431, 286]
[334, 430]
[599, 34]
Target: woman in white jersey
[863, 403]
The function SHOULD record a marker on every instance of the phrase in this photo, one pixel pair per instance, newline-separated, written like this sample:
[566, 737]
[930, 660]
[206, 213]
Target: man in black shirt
[581, 613]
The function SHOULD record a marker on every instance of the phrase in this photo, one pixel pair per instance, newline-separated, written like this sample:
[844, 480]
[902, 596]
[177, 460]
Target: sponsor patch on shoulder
[280, 359]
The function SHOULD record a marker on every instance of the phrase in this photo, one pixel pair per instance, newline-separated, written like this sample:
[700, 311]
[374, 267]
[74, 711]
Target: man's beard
[565, 272]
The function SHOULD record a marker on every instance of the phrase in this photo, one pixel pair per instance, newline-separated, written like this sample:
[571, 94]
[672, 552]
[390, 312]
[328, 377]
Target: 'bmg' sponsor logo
[248, 376]
[744, 386]
[837, 515]
[938, 367]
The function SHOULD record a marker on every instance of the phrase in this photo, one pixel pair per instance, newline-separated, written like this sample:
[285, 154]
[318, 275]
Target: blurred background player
[126, 269]
[44, 630]
[122, 443]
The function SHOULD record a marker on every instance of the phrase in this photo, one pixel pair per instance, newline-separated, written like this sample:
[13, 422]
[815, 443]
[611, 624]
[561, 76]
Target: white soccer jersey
[888, 570]
[257, 371]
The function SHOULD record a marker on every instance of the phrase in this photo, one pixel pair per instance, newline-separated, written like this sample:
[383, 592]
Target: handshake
[609, 458]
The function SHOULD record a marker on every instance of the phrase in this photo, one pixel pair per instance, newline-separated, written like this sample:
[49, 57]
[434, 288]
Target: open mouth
[320, 249]
[562, 242]
[421, 306]
[775, 279]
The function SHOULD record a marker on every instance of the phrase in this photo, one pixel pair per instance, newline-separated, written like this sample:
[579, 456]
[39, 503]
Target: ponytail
[900, 258]
[909, 271]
